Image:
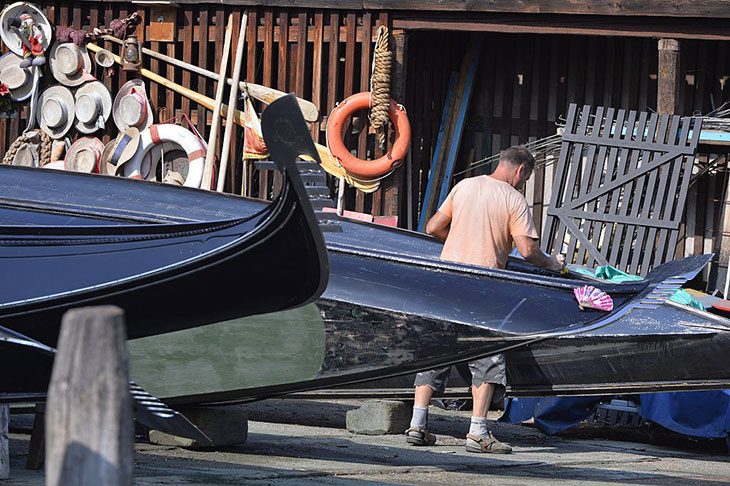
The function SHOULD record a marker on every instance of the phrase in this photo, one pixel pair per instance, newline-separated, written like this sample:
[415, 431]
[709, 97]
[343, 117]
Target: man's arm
[438, 226]
[531, 251]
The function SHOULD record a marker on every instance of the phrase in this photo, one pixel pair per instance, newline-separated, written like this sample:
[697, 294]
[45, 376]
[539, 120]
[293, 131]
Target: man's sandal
[488, 444]
[420, 436]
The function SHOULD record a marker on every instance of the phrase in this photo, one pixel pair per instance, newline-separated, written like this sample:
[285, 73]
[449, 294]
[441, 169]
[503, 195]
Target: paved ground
[282, 451]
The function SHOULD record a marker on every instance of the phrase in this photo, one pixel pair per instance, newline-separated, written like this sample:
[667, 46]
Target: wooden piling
[668, 79]
[89, 428]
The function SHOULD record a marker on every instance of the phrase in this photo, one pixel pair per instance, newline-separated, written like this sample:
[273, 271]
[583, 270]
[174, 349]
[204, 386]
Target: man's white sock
[420, 417]
[478, 426]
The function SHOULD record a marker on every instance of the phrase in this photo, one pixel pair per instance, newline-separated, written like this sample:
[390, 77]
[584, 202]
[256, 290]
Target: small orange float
[368, 169]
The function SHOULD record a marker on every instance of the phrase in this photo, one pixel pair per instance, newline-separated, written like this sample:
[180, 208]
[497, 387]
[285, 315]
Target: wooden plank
[624, 8]
[365, 66]
[438, 152]
[267, 81]
[89, 409]
[301, 55]
[203, 84]
[571, 25]
[461, 117]
[187, 53]
[317, 72]
[334, 63]
[668, 77]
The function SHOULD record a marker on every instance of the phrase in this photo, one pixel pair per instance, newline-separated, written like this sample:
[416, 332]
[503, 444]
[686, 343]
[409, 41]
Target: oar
[257, 91]
[329, 164]
[210, 155]
[232, 102]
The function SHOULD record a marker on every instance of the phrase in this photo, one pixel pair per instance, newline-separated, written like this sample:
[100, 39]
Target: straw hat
[104, 58]
[131, 106]
[119, 151]
[19, 80]
[84, 155]
[93, 107]
[10, 36]
[70, 64]
[56, 111]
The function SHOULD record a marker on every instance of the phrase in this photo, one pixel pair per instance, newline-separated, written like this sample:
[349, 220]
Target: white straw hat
[19, 80]
[84, 155]
[119, 151]
[93, 105]
[70, 64]
[10, 36]
[131, 106]
[56, 111]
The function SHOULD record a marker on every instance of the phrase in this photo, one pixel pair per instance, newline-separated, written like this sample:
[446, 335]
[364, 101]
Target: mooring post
[4, 441]
[89, 427]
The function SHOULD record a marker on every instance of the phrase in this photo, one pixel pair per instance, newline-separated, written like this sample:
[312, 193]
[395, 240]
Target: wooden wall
[524, 85]
[325, 63]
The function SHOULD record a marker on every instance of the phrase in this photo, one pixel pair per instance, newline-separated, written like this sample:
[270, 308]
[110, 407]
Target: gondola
[171, 257]
[393, 307]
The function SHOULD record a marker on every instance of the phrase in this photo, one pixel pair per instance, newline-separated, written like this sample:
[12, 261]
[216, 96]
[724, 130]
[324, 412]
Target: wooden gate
[620, 187]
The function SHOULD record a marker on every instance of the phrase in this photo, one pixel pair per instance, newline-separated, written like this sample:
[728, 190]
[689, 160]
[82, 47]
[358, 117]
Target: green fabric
[613, 274]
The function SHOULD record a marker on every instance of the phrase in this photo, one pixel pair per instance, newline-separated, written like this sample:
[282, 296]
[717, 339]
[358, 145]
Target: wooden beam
[701, 29]
[668, 81]
[621, 8]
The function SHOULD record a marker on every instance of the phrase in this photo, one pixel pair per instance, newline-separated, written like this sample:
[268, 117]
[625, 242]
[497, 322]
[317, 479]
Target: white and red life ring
[156, 135]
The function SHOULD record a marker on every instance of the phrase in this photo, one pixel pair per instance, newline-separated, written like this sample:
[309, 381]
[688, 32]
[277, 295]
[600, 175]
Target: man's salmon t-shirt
[486, 214]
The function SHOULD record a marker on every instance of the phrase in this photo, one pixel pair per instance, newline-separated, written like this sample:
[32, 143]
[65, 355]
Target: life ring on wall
[173, 134]
[369, 169]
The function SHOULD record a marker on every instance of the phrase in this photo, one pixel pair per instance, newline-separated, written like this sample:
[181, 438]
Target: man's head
[515, 166]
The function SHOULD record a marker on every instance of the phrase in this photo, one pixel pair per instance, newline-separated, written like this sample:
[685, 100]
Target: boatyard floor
[305, 442]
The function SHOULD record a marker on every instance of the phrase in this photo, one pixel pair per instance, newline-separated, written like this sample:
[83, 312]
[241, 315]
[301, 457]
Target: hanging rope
[380, 85]
[25, 138]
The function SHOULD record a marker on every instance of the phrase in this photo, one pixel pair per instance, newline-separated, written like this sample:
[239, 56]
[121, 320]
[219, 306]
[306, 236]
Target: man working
[478, 222]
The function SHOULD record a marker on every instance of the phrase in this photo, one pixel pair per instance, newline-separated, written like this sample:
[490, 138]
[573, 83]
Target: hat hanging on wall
[93, 105]
[17, 79]
[119, 151]
[131, 107]
[70, 64]
[84, 155]
[56, 111]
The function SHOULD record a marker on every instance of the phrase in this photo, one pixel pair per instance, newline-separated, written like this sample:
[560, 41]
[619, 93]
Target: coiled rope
[25, 138]
[380, 85]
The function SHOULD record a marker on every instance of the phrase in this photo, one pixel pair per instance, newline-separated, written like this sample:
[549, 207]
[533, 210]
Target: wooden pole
[89, 427]
[668, 80]
[257, 91]
[4, 442]
[213, 137]
[232, 98]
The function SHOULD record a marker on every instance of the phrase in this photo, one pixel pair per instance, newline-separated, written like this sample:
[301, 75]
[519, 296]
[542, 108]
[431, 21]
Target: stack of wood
[451, 129]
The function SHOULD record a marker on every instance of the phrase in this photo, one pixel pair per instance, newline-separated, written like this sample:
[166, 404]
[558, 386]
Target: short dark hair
[517, 155]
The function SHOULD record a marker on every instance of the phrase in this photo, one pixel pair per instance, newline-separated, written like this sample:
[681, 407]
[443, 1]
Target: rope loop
[380, 85]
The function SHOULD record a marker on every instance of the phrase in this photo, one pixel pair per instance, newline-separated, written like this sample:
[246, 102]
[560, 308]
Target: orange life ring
[368, 168]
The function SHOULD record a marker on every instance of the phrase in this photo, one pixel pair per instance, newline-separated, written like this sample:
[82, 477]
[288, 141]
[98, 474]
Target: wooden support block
[4, 442]
[89, 424]
[37, 447]
[668, 80]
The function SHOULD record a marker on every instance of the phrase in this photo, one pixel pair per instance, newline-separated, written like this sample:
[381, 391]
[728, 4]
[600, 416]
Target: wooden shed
[536, 58]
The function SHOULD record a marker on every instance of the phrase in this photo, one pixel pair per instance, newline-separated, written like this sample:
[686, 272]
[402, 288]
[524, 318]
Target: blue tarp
[699, 414]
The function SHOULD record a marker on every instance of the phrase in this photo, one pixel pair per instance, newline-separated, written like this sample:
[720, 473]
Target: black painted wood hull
[388, 313]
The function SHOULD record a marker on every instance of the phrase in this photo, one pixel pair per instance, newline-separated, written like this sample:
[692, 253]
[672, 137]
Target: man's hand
[557, 262]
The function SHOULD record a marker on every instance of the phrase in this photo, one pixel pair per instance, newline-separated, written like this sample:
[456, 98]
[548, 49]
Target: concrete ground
[305, 442]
